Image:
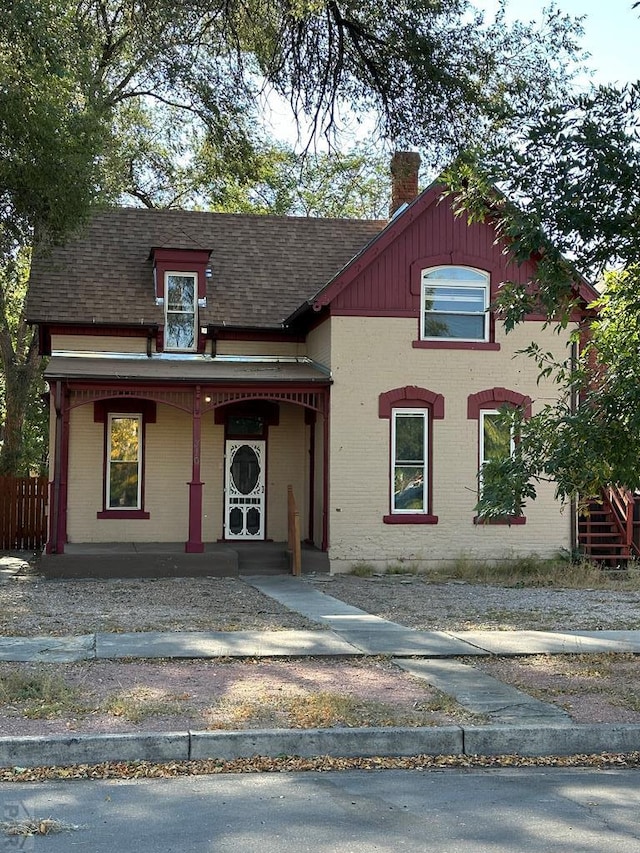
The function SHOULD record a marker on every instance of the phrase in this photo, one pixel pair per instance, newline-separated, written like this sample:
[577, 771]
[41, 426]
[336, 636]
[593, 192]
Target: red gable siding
[385, 280]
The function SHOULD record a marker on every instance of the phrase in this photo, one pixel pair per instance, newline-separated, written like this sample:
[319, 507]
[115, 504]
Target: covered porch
[215, 446]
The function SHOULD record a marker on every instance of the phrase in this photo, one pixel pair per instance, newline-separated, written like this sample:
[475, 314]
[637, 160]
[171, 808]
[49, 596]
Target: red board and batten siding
[23, 513]
[385, 280]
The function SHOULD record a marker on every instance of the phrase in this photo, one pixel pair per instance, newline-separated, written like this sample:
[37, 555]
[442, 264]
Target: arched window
[454, 304]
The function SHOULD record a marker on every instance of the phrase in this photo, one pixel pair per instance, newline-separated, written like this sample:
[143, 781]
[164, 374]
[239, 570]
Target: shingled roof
[263, 267]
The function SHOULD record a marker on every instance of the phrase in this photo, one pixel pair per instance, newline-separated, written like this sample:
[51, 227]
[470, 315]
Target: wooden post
[295, 552]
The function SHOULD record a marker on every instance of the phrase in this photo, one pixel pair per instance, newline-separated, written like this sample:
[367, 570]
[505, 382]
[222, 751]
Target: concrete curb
[540, 741]
[43, 751]
[347, 743]
[552, 739]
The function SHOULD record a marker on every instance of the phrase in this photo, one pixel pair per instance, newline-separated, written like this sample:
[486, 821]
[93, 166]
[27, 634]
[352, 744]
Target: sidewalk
[517, 723]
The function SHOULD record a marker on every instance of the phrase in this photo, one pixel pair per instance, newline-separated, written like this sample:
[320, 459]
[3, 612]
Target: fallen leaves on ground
[297, 764]
[39, 826]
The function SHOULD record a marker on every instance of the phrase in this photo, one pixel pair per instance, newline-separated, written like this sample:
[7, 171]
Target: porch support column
[310, 418]
[325, 472]
[58, 487]
[195, 544]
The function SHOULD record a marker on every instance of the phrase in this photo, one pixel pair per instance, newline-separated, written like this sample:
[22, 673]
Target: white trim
[110, 419]
[424, 414]
[483, 460]
[460, 283]
[181, 274]
[492, 413]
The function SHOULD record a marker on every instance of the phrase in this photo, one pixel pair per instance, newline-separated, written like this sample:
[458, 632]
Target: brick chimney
[404, 179]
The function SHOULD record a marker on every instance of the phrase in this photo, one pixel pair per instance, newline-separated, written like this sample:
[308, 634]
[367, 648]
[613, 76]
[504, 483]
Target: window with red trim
[180, 282]
[410, 411]
[124, 462]
[181, 312]
[496, 438]
[124, 424]
[409, 460]
[454, 304]
[454, 296]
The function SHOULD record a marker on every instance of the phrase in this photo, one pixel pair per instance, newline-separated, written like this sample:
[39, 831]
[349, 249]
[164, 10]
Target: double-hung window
[454, 304]
[496, 438]
[409, 448]
[497, 443]
[181, 293]
[411, 412]
[124, 462]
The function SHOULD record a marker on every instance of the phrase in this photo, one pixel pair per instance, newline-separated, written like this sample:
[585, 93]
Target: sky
[612, 32]
[611, 36]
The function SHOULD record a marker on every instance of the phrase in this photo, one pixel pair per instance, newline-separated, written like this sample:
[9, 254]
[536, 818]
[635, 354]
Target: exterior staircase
[609, 529]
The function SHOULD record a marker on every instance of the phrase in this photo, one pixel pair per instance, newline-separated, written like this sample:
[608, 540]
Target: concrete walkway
[516, 722]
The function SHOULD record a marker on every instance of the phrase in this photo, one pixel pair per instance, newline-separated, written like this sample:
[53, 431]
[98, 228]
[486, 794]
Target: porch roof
[201, 370]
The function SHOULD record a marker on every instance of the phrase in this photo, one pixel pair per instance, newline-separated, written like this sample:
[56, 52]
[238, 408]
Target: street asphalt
[517, 723]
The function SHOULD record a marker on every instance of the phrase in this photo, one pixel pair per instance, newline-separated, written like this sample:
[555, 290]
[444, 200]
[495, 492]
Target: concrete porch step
[168, 559]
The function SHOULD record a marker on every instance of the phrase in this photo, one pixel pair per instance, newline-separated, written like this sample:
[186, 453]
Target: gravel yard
[164, 695]
[30, 605]
[457, 606]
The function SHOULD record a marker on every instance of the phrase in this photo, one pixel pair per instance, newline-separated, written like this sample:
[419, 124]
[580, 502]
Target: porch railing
[295, 551]
[621, 502]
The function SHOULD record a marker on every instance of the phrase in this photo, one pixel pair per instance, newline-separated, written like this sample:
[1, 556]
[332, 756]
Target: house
[202, 363]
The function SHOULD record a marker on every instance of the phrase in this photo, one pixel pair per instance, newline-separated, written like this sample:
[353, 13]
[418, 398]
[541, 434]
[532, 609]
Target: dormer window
[180, 284]
[180, 302]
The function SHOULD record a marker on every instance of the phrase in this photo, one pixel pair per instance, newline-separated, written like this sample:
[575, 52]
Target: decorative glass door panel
[244, 490]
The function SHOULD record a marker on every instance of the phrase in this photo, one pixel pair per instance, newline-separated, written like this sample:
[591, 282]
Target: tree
[433, 73]
[352, 184]
[50, 144]
[569, 196]
[100, 97]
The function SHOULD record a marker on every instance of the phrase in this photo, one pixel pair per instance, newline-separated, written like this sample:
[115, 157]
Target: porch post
[310, 418]
[195, 545]
[58, 488]
[325, 472]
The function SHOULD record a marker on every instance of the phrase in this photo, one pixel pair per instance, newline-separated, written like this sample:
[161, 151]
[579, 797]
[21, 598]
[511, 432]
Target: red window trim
[410, 518]
[185, 261]
[489, 346]
[494, 398]
[123, 513]
[126, 406]
[412, 397]
[503, 520]
[455, 258]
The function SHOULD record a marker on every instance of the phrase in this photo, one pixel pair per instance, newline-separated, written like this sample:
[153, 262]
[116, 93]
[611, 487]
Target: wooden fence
[23, 513]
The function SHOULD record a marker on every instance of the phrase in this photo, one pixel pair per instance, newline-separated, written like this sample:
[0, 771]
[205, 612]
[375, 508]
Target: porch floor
[168, 559]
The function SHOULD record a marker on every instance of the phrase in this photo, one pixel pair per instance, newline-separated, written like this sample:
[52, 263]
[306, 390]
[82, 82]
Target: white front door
[244, 489]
